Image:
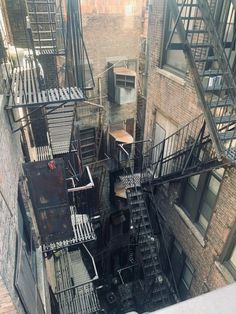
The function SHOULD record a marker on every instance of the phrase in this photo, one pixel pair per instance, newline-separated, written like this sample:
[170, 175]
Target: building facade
[197, 212]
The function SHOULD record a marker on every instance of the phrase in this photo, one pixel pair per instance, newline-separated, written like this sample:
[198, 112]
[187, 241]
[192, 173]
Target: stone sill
[171, 76]
[224, 272]
[197, 234]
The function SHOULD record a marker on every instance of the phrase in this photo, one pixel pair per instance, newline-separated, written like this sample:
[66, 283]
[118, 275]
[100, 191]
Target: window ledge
[171, 76]
[225, 272]
[197, 234]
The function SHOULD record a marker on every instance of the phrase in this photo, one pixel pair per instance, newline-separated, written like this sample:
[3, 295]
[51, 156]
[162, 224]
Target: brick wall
[167, 92]
[112, 32]
[16, 12]
[175, 98]
[10, 168]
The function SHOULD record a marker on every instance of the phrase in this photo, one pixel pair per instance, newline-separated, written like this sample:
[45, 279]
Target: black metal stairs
[43, 18]
[60, 127]
[158, 294]
[88, 145]
[211, 70]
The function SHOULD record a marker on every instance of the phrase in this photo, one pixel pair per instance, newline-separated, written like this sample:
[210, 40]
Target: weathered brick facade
[174, 97]
[112, 33]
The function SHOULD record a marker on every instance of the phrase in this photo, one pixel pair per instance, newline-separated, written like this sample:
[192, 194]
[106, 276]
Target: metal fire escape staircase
[209, 141]
[44, 16]
[29, 96]
[211, 70]
[156, 288]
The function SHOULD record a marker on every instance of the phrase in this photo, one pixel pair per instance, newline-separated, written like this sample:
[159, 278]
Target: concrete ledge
[197, 234]
[224, 272]
[171, 76]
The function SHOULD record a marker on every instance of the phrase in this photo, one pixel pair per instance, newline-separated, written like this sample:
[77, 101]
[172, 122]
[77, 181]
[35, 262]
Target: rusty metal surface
[50, 200]
[122, 136]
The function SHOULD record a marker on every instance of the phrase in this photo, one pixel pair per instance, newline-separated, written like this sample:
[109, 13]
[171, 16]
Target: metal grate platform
[83, 299]
[25, 89]
[83, 229]
[83, 232]
[131, 181]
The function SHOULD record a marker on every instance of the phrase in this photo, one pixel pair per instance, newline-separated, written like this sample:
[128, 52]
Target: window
[126, 81]
[182, 269]
[186, 279]
[228, 257]
[199, 197]
[25, 234]
[173, 58]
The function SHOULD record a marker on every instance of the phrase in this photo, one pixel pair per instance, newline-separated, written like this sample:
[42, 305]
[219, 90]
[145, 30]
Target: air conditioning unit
[215, 81]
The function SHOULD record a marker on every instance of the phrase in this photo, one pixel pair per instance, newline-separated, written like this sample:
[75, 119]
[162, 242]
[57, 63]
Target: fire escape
[44, 84]
[46, 80]
[207, 142]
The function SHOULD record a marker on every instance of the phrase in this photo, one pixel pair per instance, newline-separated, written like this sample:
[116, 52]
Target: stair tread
[221, 103]
[200, 45]
[228, 135]
[211, 72]
[201, 59]
[225, 119]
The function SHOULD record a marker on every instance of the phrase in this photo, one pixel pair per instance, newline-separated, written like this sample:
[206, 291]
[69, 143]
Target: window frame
[228, 250]
[199, 195]
[166, 34]
[183, 264]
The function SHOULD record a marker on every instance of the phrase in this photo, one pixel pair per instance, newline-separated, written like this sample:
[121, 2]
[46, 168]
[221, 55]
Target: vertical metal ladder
[211, 70]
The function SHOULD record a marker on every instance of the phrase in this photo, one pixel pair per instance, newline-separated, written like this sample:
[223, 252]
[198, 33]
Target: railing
[131, 178]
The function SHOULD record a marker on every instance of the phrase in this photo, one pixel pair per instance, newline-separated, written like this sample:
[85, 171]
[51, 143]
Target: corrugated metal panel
[25, 283]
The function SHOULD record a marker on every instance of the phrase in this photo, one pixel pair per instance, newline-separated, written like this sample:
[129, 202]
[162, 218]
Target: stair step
[42, 12]
[228, 135]
[134, 194]
[211, 72]
[221, 103]
[87, 145]
[87, 138]
[200, 45]
[188, 5]
[225, 119]
[192, 18]
[231, 153]
[135, 202]
[216, 88]
[197, 31]
[212, 58]
[44, 39]
[43, 32]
